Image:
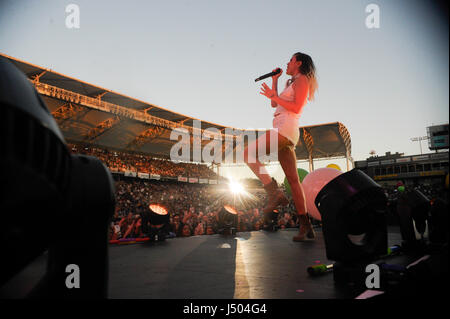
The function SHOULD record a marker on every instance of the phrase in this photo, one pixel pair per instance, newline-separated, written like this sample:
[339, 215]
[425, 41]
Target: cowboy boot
[276, 197]
[306, 230]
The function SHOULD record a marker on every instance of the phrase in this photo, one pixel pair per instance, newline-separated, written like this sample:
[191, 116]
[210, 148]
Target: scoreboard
[437, 137]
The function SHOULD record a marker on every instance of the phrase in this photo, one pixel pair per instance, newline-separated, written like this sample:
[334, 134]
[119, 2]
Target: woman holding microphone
[288, 105]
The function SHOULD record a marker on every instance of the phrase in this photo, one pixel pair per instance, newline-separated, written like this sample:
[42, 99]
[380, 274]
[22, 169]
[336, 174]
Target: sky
[200, 58]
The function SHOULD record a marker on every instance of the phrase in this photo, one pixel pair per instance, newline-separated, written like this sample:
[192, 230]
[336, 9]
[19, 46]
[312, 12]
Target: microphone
[262, 77]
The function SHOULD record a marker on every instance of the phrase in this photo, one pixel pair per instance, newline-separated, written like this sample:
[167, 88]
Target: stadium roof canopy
[90, 114]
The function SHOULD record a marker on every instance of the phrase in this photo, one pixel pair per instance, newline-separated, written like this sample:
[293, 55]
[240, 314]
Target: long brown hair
[308, 69]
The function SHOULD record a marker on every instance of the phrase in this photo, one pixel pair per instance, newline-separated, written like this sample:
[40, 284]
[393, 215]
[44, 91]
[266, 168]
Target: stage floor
[258, 264]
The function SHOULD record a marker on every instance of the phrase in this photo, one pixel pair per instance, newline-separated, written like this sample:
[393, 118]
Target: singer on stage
[299, 89]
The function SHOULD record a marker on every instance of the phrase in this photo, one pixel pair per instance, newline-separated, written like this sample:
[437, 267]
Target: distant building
[424, 169]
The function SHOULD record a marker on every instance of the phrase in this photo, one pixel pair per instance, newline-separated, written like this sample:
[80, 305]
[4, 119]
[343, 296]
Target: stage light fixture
[159, 218]
[353, 210]
[159, 214]
[271, 220]
[228, 220]
[413, 209]
[438, 222]
[155, 221]
[51, 200]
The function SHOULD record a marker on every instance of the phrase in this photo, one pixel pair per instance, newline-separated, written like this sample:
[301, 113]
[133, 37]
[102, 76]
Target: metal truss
[37, 76]
[145, 137]
[101, 128]
[66, 111]
[345, 135]
[98, 104]
[309, 142]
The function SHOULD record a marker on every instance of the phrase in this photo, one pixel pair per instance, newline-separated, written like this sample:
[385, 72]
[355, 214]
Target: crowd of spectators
[432, 192]
[193, 208]
[118, 161]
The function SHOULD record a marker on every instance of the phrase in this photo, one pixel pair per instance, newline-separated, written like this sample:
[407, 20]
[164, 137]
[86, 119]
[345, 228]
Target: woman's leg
[275, 196]
[251, 158]
[288, 162]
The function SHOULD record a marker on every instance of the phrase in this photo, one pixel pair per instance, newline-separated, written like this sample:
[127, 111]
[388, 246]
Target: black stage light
[438, 222]
[159, 214]
[271, 220]
[353, 210]
[413, 209]
[155, 221]
[51, 201]
[227, 220]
